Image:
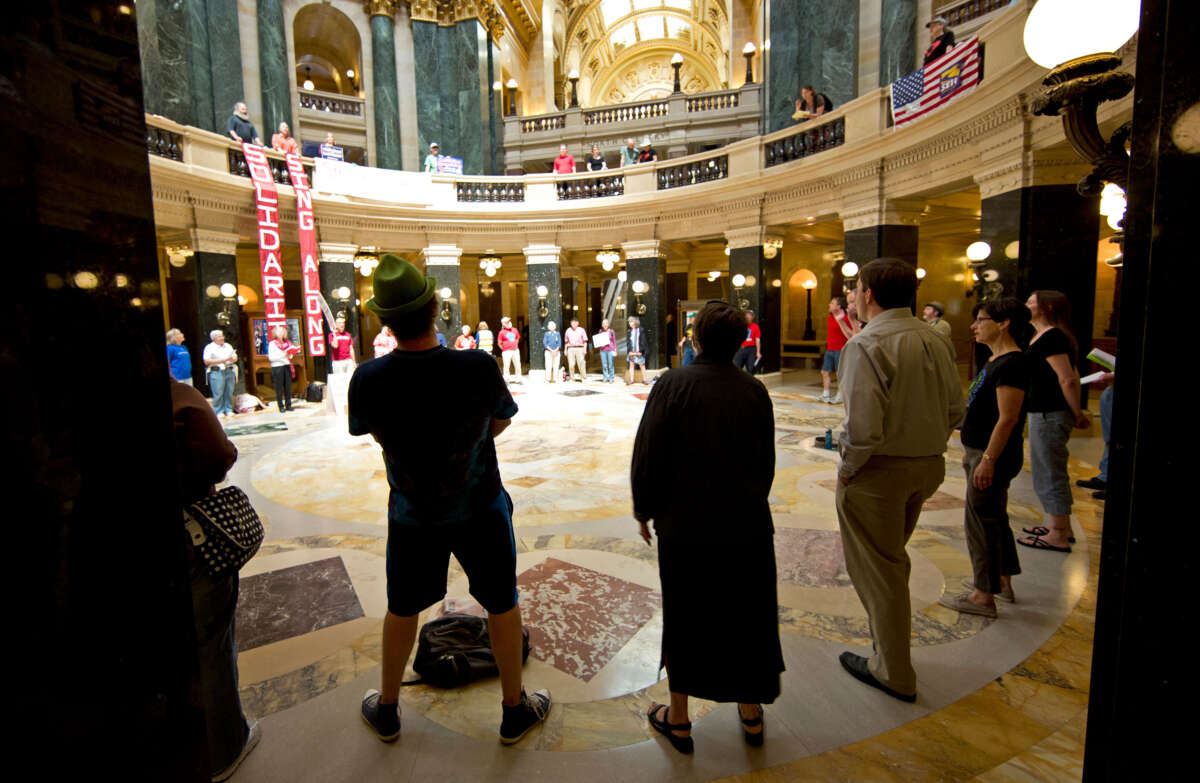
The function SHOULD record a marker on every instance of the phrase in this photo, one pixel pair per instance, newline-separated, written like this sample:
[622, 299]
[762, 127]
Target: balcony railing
[626, 112]
[164, 143]
[330, 102]
[544, 122]
[279, 170]
[961, 13]
[592, 187]
[805, 142]
[714, 101]
[505, 190]
[693, 173]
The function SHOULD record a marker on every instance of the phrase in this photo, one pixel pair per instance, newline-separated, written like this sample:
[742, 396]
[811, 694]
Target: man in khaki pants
[903, 398]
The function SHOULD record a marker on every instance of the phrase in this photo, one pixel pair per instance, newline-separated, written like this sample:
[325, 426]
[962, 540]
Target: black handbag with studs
[225, 530]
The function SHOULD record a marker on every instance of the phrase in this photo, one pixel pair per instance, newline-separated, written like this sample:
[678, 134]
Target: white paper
[600, 339]
[1085, 380]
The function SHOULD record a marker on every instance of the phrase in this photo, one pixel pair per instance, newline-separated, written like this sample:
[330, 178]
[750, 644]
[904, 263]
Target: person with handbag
[205, 454]
[280, 352]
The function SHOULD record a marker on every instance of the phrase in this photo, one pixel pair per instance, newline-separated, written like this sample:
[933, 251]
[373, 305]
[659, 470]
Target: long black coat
[703, 464]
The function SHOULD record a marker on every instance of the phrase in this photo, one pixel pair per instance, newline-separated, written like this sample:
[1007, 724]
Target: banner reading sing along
[266, 202]
[308, 257]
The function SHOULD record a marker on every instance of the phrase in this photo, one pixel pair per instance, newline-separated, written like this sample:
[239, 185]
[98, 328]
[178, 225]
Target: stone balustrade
[164, 143]
[348, 105]
[961, 13]
[279, 169]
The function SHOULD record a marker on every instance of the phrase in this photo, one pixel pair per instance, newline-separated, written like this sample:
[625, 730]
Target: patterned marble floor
[1004, 699]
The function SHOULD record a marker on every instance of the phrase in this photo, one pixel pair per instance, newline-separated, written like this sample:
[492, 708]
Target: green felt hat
[399, 287]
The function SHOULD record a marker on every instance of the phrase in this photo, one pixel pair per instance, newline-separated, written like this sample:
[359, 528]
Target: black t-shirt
[243, 128]
[595, 164]
[1045, 393]
[1011, 369]
[443, 468]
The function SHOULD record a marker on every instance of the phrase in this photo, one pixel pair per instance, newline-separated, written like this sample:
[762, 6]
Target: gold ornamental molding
[386, 8]
[447, 13]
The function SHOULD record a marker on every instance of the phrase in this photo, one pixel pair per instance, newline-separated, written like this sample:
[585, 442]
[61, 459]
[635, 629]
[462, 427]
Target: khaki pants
[552, 366]
[577, 357]
[877, 514]
[511, 358]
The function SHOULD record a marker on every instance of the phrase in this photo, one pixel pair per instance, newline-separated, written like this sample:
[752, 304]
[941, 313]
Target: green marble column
[897, 40]
[386, 103]
[450, 74]
[273, 68]
[812, 42]
[225, 55]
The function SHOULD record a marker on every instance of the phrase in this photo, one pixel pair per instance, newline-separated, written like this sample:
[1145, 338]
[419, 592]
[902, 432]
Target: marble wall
[386, 103]
[865, 244]
[549, 276]
[897, 40]
[653, 272]
[451, 66]
[812, 42]
[273, 68]
[763, 297]
[216, 269]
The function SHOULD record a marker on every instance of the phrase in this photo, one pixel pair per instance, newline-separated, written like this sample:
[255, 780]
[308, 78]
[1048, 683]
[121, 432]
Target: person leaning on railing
[629, 153]
[811, 104]
[941, 39]
[238, 126]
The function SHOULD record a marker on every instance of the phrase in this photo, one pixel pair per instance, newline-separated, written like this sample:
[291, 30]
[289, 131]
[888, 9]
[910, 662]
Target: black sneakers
[1092, 483]
[384, 719]
[520, 719]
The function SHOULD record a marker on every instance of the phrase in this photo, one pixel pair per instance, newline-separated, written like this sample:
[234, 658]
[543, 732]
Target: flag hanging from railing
[928, 89]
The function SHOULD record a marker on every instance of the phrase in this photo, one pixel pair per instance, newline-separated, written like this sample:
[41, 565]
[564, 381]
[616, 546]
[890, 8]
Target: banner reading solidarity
[266, 202]
[308, 257]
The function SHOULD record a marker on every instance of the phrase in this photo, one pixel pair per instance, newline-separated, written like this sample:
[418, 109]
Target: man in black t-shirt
[941, 39]
[239, 128]
[446, 496]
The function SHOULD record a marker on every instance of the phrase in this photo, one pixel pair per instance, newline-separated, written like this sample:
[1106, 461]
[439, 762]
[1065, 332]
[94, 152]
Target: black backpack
[455, 650]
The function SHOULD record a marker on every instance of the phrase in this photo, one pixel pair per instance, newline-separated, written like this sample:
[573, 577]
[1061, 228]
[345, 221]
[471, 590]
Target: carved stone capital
[441, 255]
[643, 248]
[205, 240]
[748, 236]
[336, 252]
[543, 254]
[386, 8]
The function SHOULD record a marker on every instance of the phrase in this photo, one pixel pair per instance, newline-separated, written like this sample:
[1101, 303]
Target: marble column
[442, 264]
[225, 49]
[451, 85]
[645, 261]
[90, 457]
[897, 40]
[386, 97]
[1044, 237]
[495, 143]
[336, 269]
[542, 269]
[746, 257]
[215, 257]
[812, 42]
[273, 68]
[165, 35]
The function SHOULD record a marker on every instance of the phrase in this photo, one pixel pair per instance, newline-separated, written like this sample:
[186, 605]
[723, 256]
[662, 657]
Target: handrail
[315, 100]
[626, 112]
[971, 9]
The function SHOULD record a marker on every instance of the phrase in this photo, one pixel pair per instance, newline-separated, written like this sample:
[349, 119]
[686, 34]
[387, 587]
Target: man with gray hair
[239, 128]
[220, 359]
[629, 155]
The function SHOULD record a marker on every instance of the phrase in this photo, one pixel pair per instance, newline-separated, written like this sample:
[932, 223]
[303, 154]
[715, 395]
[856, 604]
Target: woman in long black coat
[702, 468]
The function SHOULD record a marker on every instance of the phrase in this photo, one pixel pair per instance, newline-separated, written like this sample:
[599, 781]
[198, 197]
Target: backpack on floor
[455, 650]
[315, 392]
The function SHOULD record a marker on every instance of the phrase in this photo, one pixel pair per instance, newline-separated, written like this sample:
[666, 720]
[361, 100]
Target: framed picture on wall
[262, 335]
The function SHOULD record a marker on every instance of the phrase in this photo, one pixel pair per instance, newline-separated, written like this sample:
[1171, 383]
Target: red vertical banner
[308, 256]
[266, 203]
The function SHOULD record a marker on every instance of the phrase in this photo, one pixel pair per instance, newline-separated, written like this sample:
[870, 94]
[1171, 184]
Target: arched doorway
[328, 67]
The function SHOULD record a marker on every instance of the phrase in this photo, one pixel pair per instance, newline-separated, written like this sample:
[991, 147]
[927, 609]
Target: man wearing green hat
[446, 496]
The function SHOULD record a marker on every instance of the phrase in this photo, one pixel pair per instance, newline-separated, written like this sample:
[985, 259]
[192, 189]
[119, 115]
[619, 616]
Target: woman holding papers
[1054, 408]
[605, 341]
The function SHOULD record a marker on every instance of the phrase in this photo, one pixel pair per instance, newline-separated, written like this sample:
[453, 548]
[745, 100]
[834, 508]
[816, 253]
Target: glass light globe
[1061, 30]
[542, 290]
[727, 250]
[608, 265]
[921, 273]
[445, 293]
[212, 292]
[676, 58]
[342, 293]
[482, 264]
[739, 281]
[749, 48]
[308, 84]
[228, 290]
[849, 269]
[639, 287]
[1012, 249]
[242, 300]
[809, 284]
[1114, 221]
[366, 270]
[977, 251]
[86, 280]
[490, 271]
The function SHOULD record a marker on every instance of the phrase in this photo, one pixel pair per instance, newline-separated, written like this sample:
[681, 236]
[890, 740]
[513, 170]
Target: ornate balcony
[164, 143]
[591, 187]
[279, 170]
[676, 125]
[348, 105]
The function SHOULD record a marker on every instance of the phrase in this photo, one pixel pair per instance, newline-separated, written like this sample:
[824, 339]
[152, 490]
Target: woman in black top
[596, 161]
[991, 438]
[1054, 407]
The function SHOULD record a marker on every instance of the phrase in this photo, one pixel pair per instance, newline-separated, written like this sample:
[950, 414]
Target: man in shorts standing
[446, 496]
[839, 329]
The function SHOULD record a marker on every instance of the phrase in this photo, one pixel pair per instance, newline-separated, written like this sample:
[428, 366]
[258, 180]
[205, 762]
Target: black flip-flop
[681, 744]
[1042, 530]
[753, 739]
[1039, 543]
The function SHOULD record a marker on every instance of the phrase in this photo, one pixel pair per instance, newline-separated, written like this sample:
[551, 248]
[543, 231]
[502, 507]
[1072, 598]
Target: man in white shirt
[220, 359]
[903, 398]
[576, 338]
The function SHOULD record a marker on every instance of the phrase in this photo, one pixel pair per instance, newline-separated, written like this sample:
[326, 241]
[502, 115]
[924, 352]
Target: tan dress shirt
[901, 389]
[943, 327]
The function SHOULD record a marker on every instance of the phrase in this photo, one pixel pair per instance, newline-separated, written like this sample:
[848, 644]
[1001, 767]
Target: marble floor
[1001, 700]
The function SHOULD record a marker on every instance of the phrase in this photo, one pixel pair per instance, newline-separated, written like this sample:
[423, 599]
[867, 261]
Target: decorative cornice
[209, 241]
[1015, 109]
[386, 8]
[643, 248]
[441, 255]
[542, 254]
[747, 236]
[447, 13]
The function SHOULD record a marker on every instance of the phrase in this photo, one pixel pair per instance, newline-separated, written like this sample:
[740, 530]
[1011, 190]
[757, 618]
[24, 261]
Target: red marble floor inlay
[810, 558]
[579, 619]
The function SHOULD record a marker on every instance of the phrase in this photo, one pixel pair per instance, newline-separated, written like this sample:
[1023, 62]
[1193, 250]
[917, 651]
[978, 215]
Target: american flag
[927, 89]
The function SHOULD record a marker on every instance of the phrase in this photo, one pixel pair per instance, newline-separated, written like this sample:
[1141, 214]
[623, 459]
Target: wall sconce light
[490, 265]
[342, 295]
[978, 251]
[622, 276]
[739, 282]
[920, 274]
[849, 275]
[772, 247]
[511, 84]
[445, 295]
[228, 292]
[748, 52]
[713, 276]
[639, 288]
[542, 293]
[608, 259]
[726, 249]
[365, 263]
[178, 255]
[677, 63]
[573, 78]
